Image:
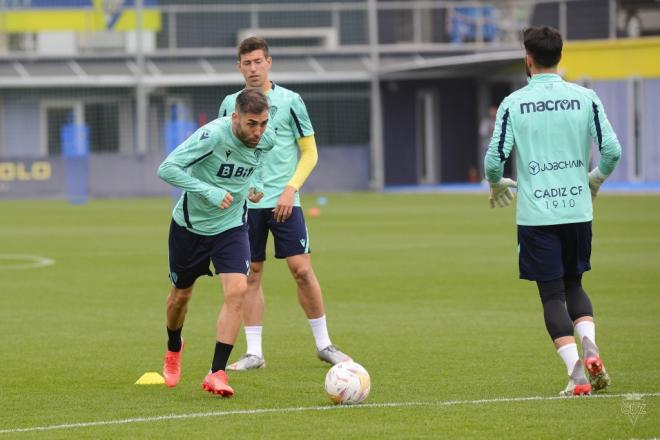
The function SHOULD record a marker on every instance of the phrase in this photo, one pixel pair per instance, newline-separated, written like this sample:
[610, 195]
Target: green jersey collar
[545, 77]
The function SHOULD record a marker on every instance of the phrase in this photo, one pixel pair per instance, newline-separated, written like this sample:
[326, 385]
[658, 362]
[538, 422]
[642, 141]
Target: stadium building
[396, 90]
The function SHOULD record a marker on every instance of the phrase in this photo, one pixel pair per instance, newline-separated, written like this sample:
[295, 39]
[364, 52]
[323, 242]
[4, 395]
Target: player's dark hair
[544, 44]
[251, 44]
[251, 101]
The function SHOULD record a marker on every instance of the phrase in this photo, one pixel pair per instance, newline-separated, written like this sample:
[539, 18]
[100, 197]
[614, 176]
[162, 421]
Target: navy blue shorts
[191, 253]
[290, 236]
[551, 252]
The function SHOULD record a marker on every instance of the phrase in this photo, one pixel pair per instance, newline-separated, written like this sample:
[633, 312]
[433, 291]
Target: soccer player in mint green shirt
[218, 169]
[551, 124]
[286, 168]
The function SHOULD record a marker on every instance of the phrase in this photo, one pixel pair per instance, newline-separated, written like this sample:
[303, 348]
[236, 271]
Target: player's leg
[292, 242]
[188, 260]
[231, 258]
[176, 308]
[234, 286]
[540, 260]
[254, 304]
[577, 253]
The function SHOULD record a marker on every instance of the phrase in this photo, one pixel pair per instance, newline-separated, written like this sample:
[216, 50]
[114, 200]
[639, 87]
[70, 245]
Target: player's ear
[234, 117]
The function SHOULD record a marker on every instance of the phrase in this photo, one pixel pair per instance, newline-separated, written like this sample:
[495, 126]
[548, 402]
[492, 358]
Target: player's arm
[191, 152]
[308, 158]
[498, 152]
[608, 146]
[302, 126]
[256, 185]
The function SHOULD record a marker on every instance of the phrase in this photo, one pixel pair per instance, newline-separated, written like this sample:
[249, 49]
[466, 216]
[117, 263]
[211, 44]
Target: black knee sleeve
[577, 300]
[557, 320]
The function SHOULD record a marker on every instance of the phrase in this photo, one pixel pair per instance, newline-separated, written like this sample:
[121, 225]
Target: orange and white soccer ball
[347, 383]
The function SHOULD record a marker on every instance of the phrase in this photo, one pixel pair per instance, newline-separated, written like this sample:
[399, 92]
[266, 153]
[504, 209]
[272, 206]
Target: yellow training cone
[150, 378]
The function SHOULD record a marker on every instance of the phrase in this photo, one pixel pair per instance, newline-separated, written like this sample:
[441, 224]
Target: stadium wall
[340, 168]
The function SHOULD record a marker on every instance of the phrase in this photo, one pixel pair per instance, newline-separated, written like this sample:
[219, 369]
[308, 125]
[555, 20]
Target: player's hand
[226, 201]
[500, 192]
[596, 179]
[284, 206]
[254, 197]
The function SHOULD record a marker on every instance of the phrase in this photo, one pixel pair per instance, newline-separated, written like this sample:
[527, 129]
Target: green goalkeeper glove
[500, 192]
[596, 179]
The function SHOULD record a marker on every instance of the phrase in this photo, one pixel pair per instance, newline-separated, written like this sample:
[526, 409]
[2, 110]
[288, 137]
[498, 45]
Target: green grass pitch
[420, 289]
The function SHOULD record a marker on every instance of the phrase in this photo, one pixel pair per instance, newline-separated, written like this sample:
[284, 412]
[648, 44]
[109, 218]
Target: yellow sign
[611, 59]
[12, 171]
[101, 15]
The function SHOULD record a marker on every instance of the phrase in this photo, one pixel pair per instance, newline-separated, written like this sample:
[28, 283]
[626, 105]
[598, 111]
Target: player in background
[279, 211]
[551, 124]
[217, 168]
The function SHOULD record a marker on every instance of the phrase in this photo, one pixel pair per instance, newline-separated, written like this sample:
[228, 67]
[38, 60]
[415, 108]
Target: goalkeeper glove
[500, 192]
[596, 179]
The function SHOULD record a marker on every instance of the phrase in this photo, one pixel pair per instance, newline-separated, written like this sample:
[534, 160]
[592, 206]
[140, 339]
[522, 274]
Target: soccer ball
[347, 383]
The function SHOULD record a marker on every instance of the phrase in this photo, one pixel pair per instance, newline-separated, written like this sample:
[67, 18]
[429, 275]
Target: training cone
[150, 378]
[314, 212]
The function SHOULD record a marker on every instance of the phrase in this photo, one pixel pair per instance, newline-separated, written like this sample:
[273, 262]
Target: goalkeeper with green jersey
[279, 212]
[218, 169]
[551, 124]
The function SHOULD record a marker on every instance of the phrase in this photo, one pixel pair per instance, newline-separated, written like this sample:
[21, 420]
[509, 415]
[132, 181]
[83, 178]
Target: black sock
[174, 339]
[221, 356]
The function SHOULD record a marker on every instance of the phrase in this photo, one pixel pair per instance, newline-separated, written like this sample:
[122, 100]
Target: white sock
[320, 331]
[569, 354]
[253, 338]
[586, 328]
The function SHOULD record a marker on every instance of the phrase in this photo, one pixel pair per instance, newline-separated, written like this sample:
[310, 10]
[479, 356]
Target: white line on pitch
[34, 262]
[308, 408]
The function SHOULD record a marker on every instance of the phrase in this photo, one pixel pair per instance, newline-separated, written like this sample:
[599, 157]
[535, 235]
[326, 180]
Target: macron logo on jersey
[549, 105]
[205, 135]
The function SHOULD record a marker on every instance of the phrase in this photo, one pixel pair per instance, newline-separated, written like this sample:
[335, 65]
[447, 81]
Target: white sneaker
[332, 355]
[248, 362]
[578, 384]
[598, 376]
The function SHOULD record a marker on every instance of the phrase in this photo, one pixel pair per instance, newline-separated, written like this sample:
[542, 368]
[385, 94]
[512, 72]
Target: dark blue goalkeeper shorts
[190, 254]
[290, 237]
[551, 252]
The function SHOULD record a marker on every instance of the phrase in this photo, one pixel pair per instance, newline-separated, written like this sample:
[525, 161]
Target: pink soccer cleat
[218, 383]
[172, 367]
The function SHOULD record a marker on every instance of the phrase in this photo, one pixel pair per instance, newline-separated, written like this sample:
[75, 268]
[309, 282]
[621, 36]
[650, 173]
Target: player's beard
[250, 142]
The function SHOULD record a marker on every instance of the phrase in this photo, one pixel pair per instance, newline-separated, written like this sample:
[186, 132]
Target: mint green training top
[289, 118]
[551, 124]
[208, 165]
